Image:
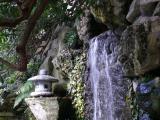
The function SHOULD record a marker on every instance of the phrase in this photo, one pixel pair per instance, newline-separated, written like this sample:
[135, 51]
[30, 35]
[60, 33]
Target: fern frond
[23, 93]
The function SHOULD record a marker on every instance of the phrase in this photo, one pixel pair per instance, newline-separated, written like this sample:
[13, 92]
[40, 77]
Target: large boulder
[87, 27]
[140, 45]
[44, 108]
[142, 8]
[157, 10]
[110, 12]
[133, 11]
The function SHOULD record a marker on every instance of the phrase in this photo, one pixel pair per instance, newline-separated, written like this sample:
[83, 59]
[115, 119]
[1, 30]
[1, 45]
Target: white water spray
[100, 81]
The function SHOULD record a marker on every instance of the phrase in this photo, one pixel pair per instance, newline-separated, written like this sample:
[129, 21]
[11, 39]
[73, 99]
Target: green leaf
[24, 92]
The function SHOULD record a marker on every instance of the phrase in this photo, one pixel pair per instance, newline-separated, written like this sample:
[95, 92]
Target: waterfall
[105, 77]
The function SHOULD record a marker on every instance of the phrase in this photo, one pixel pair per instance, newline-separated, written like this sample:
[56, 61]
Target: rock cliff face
[64, 58]
[138, 47]
[111, 12]
[130, 30]
[142, 41]
[105, 83]
[136, 26]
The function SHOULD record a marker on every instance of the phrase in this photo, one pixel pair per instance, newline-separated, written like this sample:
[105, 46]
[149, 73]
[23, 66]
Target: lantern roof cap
[43, 76]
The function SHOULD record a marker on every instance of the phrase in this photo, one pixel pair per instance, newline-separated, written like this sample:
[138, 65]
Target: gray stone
[155, 25]
[87, 27]
[83, 26]
[110, 12]
[144, 89]
[44, 108]
[44, 43]
[56, 43]
[39, 50]
[157, 10]
[140, 8]
[145, 116]
[143, 2]
[145, 19]
[140, 42]
[47, 64]
[53, 50]
[43, 84]
[147, 7]
[134, 11]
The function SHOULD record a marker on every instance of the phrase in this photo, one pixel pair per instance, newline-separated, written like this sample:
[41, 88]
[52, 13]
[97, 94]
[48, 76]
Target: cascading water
[105, 78]
[98, 76]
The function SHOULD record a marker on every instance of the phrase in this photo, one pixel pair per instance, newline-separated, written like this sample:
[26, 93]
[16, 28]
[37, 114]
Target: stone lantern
[43, 84]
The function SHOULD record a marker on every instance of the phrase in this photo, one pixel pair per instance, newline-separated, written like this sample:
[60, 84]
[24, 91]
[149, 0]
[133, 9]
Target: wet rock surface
[136, 51]
[133, 49]
[111, 42]
[87, 27]
[141, 47]
[148, 96]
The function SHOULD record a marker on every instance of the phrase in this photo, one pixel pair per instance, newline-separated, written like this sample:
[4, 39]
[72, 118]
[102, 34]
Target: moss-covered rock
[111, 12]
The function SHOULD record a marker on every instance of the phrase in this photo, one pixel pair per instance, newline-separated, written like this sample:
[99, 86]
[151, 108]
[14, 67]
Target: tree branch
[12, 66]
[21, 47]
[25, 10]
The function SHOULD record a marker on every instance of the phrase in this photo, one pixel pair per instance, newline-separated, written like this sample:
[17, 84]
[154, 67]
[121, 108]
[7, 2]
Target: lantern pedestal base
[37, 94]
[44, 108]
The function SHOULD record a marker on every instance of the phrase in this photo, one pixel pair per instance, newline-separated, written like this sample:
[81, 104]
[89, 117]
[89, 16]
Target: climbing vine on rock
[132, 102]
[76, 85]
[73, 70]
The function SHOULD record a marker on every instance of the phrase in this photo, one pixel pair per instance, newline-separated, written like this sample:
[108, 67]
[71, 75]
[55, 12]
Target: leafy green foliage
[27, 87]
[73, 71]
[55, 13]
[71, 40]
[4, 44]
[8, 10]
[24, 92]
[20, 78]
[12, 78]
[8, 39]
[147, 78]
[76, 85]
[131, 99]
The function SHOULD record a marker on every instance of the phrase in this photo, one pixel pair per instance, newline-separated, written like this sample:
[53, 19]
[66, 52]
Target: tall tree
[30, 11]
[25, 11]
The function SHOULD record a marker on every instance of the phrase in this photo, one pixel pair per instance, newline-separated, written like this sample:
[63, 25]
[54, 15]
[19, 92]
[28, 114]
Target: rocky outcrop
[141, 8]
[54, 50]
[138, 48]
[64, 58]
[149, 97]
[135, 26]
[111, 12]
[44, 108]
[108, 74]
[140, 43]
[87, 27]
